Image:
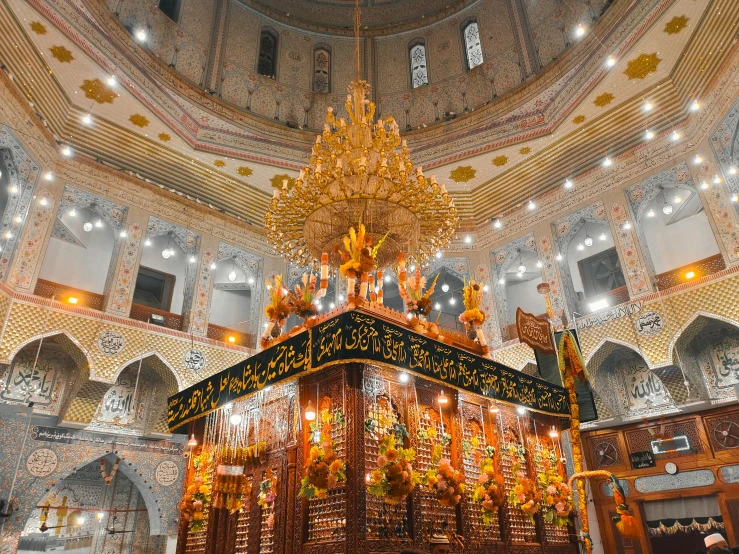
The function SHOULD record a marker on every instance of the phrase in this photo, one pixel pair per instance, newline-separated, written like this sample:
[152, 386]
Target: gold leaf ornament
[244, 171]
[38, 27]
[500, 161]
[641, 66]
[62, 54]
[462, 174]
[604, 99]
[98, 91]
[139, 120]
[676, 24]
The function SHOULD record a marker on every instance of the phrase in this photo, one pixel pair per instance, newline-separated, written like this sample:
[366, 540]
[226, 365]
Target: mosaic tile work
[125, 279]
[636, 274]
[28, 258]
[516, 355]
[198, 320]
[725, 219]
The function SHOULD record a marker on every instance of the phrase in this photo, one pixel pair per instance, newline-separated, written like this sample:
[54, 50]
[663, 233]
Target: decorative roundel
[195, 360]
[41, 462]
[111, 343]
[649, 324]
[166, 473]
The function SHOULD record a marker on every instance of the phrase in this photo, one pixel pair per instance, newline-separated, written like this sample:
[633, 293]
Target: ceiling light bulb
[235, 419]
[403, 377]
[99, 516]
[519, 274]
[735, 198]
[80, 520]
[438, 254]
[649, 135]
[695, 106]
[588, 241]
[8, 235]
[87, 119]
[17, 219]
[627, 226]
[141, 35]
[531, 205]
[445, 287]
[608, 162]
[494, 409]
[520, 410]
[98, 223]
[648, 106]
[66, 151]
[49, 176]
[521, 268]
[213, 266]
[340, 297]
[539, 264]
[468, 239]
[553, 432]
[232, 276]
[43, 201]
[72, 212]
[111, 81]
[387, 278]
[697, 159]
[716, 180]
[501, 281]
[437, 307]
[485, 288]
[704, 185]
[87, 226]
[581, 246]
[193, 259]
[498, 223]
[123, 234]
[677, 199]
[675, 136]
[13, 189]
[442, 398]
[602, 236]
[250, 280]
[667, 208]
[412, 268]
[147, 242]
[733, 170]
[610, 61]
[558, 257]
[650, 213]
[332, 305]
[166, 253]
[192, 442]
[568, 184]
[452, 301]
[580, 31]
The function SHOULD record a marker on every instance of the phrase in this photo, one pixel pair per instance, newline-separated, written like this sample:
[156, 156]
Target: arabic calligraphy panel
[166, 473]
[645, 390]
[110, 343]
[724, 358]
[39, 381]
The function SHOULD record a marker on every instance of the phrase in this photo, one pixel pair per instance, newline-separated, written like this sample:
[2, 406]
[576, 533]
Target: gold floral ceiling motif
[578, 119]
[499, 161]
[676, 24]
[219, 163]
[640, 67]
[139, 120]
[244, 171]
[96, 90]
[61, 54]
[604, 99]
[525, 150]
[277, 181]
[462, 174]
[38, 27]
[164, 137]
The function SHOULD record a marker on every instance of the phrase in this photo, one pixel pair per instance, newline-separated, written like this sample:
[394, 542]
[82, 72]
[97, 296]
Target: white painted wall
[525, 296]
[177, 265]
[574, 255]
[81, 268]
[681, 243]
[228, 307]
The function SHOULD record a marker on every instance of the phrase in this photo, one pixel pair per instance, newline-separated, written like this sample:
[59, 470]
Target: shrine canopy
[360, 336]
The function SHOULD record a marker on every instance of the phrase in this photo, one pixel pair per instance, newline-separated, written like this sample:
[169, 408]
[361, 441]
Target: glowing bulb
[49, 176]
[98, 223]
[72, 213]
[580, 31]
[213, 266]
[733, 170]
[99, 516]
[231, 339]
[677, 200]
[581, 246]
[123, 234]
[403, 377]
[485, 288]
[716, 179]
[310, 412]
[468, 239]
[690, 274]
[192, 442]
[87, 119]
[341, 297]
[66, 151]
[443, 400]
[87, 226]
[166, 253]
[438, 254]
[43, 201]
[649, 135]
[568, 184]
[520, 410]
[13, 189]
[80, 520]
[412, 268]
[8, 235]
[602, 236]
[232, 276]
[147, 242]
[235, 419]
[501, 281]
[494, 409]
[735, 198]
[367, 478]
[519, 274]
[588, 241]
[667, 208]
[531, 205]
[697, 159]
[610, 61]
[452, 301]
[648, 106]
[111, 81]
[521, 268]
[675, 136]
[331, 306]
[250, 280]
[695, 106]
[498, 224]
[140, 35]
[445, 287]
[704, 185]
[437, 307]
[553, 432]
[650, 213]
[608, 162]
[558, 257]
[539, 264]
[627, 226]
[17, 219]
[387, 279]
[193, 259]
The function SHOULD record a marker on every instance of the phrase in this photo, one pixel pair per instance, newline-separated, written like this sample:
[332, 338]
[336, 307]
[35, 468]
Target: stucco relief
[28, 258]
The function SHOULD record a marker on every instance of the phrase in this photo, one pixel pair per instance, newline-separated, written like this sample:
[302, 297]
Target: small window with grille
[419, 69]
[472, 45]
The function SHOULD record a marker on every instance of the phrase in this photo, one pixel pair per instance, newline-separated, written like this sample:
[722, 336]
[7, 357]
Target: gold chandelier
[360, 172]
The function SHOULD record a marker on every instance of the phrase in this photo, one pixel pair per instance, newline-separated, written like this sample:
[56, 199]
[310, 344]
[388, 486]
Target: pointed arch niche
[514, 288]
[673, 228]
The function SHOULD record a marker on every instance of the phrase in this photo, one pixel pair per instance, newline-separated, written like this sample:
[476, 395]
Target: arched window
[267, 63]
[321, 70]
[419, 70]
[472, 46]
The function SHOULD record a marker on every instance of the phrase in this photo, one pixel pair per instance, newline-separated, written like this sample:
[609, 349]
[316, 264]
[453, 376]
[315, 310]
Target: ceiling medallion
[38, 27]
[219, 163]
[244, 171]
[604, 99]
[525, 150]
[500, 161]
[139, 120]
[164, 137]
[462, 174]
[676, 24]
[578, 119]
[61, 54]
[360, 175]
[97, 91]
[640, 67]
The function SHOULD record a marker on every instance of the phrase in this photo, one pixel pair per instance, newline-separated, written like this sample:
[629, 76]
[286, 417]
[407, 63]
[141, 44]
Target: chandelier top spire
[357, 48]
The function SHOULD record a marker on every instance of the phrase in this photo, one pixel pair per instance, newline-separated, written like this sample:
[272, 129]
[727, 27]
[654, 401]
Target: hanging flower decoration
[244, 456]
[358, 255]
[324, 470]
[108, 478]
[301, 298]
[268, 495]
[417, 300]
[393, 479]
[447, 483]
[488, 492]
[525, 493]
[198, 493]
[558, 501]
[472, 298]
[231, 488]
[277, 310]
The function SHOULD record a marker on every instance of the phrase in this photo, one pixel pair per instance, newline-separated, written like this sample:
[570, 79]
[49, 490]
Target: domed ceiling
[338, 15]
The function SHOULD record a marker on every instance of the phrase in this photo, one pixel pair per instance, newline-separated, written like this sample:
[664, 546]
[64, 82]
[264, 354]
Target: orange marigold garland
[324, 470]
[393, 479]
[488, 492]
[447, 483]
[197, 495]
[525, 493]
[557, 499]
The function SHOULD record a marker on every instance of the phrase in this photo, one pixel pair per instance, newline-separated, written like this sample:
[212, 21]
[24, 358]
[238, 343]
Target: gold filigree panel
[462, 174]
[98, 91]
[640, 67]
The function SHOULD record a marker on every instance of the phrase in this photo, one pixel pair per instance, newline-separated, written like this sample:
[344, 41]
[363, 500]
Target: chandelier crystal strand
[360, 172]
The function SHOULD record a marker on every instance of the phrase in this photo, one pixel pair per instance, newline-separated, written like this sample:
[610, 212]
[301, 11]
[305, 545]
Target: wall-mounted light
[442, 399]
[235, 419]
[310, 412]
[690, 274]
[231, 339]
[404, 377]
[553, 432]
[72, 300]
[192, 442]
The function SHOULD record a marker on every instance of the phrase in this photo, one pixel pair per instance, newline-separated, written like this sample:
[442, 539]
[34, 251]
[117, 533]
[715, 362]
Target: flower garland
[558, 503]
[393, 479]
[324, 470]
[109, 478]
[268, 495]
[417, 300]
[525, 493]
[198, 493]
[447, 483]
[488, 492]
